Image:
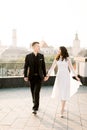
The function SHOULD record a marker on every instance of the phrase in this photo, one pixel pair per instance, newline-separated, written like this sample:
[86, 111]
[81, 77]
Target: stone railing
[11, 75]
[14, 69]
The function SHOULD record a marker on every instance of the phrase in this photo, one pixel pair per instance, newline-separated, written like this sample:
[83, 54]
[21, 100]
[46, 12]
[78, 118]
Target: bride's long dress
[65, 86]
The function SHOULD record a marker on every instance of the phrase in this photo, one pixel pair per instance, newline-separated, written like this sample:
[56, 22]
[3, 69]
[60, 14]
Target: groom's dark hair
[34, 43]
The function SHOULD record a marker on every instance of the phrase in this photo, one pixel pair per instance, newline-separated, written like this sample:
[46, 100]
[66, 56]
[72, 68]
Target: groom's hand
[46, 78]
[25, 79]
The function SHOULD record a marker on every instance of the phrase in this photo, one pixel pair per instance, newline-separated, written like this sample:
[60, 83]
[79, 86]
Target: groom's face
[36, 48]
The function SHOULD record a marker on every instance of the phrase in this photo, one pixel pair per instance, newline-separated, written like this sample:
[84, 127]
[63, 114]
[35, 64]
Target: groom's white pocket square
[41, 59]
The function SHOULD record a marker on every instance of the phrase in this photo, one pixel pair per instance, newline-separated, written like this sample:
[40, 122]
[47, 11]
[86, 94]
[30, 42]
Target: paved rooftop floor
[16, 111]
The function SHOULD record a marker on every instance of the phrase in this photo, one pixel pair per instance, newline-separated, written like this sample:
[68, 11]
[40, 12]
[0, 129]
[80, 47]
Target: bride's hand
[77, 78]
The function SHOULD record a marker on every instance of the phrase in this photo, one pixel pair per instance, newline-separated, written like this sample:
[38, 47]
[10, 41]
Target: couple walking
[35, 73]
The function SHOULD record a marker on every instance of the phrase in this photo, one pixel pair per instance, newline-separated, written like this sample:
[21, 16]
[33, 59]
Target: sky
[55, 21]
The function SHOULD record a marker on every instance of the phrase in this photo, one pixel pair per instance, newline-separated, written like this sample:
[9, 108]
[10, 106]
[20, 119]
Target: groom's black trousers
[35, 85]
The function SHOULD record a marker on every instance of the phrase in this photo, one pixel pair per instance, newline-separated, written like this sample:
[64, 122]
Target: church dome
[43, 44]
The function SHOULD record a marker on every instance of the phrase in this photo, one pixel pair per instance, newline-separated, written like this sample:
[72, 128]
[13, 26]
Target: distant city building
[45, 49]
[83, 53]
[14, 38]
[13, 52]
[76, 46]
[2, 47]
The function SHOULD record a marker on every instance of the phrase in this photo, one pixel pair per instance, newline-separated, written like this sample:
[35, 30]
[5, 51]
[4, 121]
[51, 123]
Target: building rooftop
[43, 44]
[83, 53]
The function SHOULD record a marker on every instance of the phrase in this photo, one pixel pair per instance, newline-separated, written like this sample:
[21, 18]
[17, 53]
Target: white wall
[83, 69]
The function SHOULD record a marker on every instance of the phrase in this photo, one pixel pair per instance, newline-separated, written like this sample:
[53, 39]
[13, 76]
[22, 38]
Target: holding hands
[46, 78]
[25, 79]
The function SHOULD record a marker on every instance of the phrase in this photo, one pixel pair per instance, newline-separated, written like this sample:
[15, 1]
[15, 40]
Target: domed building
[43, 44]
[45, 49]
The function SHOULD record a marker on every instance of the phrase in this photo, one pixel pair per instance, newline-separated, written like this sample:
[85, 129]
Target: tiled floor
[16, 111]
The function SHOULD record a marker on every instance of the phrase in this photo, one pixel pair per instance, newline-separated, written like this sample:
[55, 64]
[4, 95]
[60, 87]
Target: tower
[0, 43]
[76, 45]
[14, 38]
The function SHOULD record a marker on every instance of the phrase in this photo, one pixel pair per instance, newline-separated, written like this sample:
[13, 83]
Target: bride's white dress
[64, 86]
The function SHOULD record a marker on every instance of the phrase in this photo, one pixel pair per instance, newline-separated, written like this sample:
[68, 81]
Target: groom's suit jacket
[29, 66]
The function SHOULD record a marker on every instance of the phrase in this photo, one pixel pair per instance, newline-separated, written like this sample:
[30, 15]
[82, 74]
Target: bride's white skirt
[64, 87]
[74, 85]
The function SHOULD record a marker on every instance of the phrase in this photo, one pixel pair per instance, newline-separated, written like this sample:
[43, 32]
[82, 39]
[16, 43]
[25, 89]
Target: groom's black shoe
[34, 112]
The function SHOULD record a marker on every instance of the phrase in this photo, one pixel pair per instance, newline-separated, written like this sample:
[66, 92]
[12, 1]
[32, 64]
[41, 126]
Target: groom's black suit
[35, 70]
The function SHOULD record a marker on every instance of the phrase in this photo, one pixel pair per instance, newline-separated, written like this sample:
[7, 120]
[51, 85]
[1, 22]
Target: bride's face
[59, 51]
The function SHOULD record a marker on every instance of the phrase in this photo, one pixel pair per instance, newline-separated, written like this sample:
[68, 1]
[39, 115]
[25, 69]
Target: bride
[62, 84]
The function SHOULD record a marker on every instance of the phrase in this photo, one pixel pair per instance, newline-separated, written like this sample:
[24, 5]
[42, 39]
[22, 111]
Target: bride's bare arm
[52, 68]
[72, 69]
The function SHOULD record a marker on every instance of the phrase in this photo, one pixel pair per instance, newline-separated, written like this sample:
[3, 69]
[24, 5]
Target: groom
[35, 72]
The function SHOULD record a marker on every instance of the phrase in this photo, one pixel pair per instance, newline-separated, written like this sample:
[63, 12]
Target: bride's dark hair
[64, 53]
